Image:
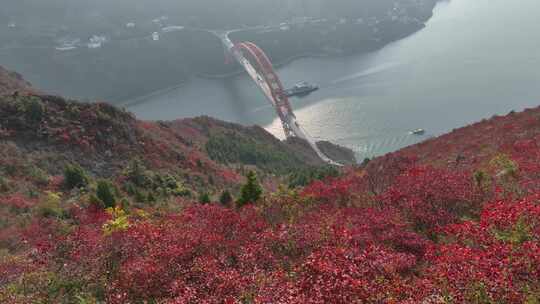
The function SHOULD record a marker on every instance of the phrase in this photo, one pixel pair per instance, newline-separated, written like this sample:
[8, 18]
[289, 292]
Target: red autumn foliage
[496, 259]
[17, 201]
[432, 197]
[439, 222]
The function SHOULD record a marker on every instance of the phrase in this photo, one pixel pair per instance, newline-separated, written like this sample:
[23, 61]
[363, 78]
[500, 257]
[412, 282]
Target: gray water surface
[474, 59]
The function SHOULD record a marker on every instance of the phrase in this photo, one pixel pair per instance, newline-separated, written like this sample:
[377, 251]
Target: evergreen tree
[226, 198]
[105, 193]
[75, 177]
[204, 198]
[251, 191]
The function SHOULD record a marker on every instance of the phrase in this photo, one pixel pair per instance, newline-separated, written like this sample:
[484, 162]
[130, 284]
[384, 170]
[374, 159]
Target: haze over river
[474, 59]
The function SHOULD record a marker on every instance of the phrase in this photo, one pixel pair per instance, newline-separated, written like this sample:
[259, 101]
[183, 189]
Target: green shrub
[235, 148]
[251, 191]
[482, 180]
[50, 206]
[517, 235]
[303, 177]
[4, 184]
[32, 107]
[124, 203]
[225, 198]
[137, 174]
[130, 188]
[94, 200]
[119, 221]
[533, 298]
[183, 192]
[148, 186]
[85, 299]
[75, 177]
[105, 193]
[508, 174]
[140, 196]
[169, 185]
[506, 166]
[150, 198]
[477, 293]
[40, 177]
[204, 198]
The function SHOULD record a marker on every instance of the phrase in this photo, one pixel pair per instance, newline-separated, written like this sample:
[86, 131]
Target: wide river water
[474, 59]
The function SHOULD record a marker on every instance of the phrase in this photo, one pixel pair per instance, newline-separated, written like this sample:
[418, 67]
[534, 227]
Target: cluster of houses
[97, 41]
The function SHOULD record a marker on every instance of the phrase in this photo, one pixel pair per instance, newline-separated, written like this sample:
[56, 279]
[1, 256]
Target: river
[474, 59]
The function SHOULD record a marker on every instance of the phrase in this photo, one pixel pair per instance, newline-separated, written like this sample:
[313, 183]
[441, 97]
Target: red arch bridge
[260, 69]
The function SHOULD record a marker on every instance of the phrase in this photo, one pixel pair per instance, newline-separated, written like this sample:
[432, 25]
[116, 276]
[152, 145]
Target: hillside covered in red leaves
[96, 207]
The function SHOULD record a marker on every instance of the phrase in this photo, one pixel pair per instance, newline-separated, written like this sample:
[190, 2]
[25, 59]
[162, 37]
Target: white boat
[155, 36]
[418, 132]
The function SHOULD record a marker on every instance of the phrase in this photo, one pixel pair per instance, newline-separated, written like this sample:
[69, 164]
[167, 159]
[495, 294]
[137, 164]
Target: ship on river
[301, 89]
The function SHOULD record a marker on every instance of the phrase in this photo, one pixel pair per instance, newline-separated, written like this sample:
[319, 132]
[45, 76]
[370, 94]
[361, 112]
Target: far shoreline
[140, 99]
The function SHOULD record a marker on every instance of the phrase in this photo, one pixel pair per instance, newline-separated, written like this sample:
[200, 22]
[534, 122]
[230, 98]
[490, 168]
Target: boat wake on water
[365, 73]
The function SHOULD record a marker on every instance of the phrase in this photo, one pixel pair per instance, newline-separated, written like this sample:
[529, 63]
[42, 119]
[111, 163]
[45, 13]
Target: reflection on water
[464, 66]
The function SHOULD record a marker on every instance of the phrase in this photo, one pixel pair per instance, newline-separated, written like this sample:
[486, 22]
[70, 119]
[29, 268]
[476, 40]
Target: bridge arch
[264, 66]
[261, 71]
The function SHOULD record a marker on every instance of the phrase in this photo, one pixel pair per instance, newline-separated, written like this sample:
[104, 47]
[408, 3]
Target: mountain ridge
[99, 133]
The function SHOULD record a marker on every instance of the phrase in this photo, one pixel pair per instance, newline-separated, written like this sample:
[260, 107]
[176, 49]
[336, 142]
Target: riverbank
[276, 65]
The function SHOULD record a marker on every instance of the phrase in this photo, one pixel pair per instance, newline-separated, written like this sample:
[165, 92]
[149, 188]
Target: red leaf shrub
[439, 222]
[494, 260]
[433, 197]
